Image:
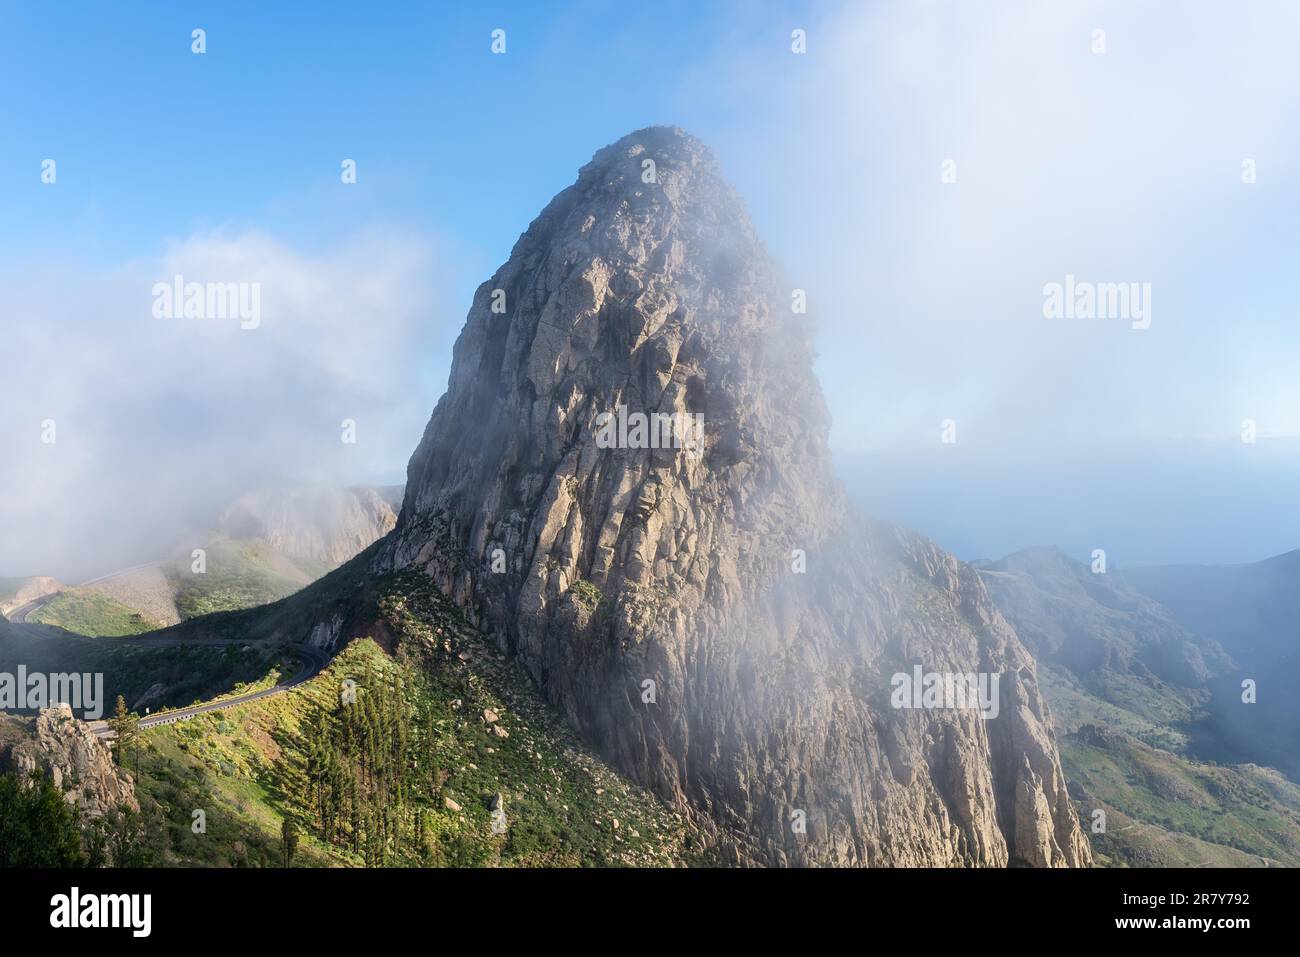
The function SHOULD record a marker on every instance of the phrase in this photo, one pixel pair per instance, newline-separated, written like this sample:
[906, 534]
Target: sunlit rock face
[78, 762]
[701, 601]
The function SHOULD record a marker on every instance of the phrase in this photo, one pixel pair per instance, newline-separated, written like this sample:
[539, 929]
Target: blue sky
[1120, 165]
[153, 141]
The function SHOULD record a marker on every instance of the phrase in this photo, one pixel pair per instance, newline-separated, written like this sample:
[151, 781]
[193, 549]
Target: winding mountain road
[313, 660]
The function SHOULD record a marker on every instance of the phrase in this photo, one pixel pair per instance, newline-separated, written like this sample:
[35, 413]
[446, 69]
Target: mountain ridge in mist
[265, 545]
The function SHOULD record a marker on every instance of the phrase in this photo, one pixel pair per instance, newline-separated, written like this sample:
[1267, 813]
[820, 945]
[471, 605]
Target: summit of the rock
[680, 160]
[669, 146]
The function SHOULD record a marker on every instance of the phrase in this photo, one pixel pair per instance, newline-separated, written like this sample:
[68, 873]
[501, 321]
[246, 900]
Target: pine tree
[126, 727]
[289, 839]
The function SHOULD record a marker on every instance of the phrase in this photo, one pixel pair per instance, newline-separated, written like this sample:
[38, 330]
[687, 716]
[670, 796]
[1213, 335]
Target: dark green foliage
[126, 726]
[360, 768]
[289, 840]
[173, 793]
[182, 675]
[38, 828]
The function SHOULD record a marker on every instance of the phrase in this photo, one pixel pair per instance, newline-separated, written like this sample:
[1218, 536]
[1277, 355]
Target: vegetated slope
[146, 589]
[1252, 611]
[84, 611]
[1127, 685]
[328, 613]
[1168, 810]
[235, 574]
[442, 730]
[732, 575]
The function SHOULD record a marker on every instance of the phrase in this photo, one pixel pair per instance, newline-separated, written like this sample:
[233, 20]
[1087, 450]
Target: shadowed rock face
[618, 566]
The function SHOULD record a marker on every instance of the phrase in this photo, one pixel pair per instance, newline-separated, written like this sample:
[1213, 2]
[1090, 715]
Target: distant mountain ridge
[265, 545]
[1099, 626]
[1147, 702]
[319, 527]
[1253, 610]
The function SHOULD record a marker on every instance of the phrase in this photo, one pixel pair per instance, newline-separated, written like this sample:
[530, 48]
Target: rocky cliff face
[714, 617]
[78, 762]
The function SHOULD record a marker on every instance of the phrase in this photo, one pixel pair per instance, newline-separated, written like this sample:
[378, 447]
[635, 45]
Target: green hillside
[85, 612]
[1164, 810]
[406, 775]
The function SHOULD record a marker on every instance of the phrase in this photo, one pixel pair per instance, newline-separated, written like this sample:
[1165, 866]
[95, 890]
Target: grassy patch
[90, 613]
[587, 593]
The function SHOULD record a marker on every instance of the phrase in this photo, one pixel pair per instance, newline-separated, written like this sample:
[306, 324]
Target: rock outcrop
[713, 615]
[78, 762]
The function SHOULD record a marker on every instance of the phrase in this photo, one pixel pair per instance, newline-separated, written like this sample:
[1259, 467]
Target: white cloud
[160, 421]
[1123, 166]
